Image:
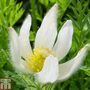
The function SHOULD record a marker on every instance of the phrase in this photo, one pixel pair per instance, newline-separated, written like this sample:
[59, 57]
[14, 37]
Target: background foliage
[12, 13]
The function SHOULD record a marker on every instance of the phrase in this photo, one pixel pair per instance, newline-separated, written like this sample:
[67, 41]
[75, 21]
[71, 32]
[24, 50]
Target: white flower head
[43, 60]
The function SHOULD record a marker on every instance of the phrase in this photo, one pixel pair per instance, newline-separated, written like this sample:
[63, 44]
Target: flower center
[36, 60]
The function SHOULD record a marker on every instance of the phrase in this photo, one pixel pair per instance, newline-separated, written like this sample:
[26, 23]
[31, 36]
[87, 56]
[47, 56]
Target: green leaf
[44, 2]
[86, 70]
[10, 12]
[32, 36]
[3, 58]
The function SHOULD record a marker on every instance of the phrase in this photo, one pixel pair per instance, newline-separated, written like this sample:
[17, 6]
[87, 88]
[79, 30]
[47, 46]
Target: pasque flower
[43, 60]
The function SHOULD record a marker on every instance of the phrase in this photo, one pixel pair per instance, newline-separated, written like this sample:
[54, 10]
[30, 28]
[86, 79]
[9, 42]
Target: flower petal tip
[56, 5]
[29, 16]
[69, 23]
[28, 19]
[87, 45]
[10, 28]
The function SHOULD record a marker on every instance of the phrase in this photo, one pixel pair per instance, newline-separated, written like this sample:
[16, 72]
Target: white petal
[68, 68]
[49, 73]
[15, 50]
[46, 34]
[64, 40]
[14, 44]
[25, 47]
[21, 67]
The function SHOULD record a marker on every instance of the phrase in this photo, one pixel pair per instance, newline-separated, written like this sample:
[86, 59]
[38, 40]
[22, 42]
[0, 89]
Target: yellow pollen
[35, 61]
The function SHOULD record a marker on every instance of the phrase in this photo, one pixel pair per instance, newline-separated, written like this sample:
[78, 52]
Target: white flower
[43, 60]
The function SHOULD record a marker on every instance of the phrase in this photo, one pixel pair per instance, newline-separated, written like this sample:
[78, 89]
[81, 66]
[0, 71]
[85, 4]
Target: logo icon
[5, 84]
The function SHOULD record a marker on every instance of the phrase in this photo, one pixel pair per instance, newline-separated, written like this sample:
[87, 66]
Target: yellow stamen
[35, 61]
